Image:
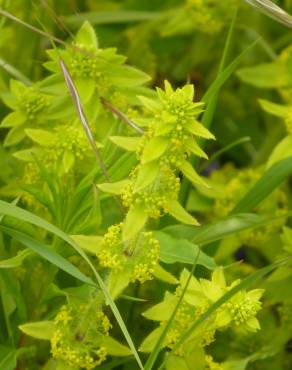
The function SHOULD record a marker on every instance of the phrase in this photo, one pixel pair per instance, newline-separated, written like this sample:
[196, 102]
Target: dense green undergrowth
[145, 156]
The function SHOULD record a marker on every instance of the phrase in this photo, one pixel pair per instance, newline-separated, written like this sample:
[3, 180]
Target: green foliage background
[145, 185]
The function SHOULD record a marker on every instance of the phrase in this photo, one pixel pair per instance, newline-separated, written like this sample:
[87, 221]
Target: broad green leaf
[40, 330]
[154, 149]
[197, 129]
[115, 348]
[15, 261]
[146, 175]
[270, 180]
[42, 137]
[150, 104]
[114, 187]
[281, 151]
[193, 147]
[127, 76]
[26, 155]
[161, 311]
[13, 119]
[266, 75]
[174, 250]
[235, 364]
[14, 136]
[278, 110]
[151, 340]
[178, 212]
[135, 220]
[188, 170]
[161, 274]
[90, 243]
[118, 282]
[176, 363]
[129, 143]
[86, 37]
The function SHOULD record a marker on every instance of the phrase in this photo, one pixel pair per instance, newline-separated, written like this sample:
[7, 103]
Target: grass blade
[271, 179]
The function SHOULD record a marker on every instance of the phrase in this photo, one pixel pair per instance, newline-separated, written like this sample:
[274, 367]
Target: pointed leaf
[197, 129]
[188, 170]
[90, 243]
[113, 187]
[178, 212]
[86, 37]
[115, 348]
[13, 119]
[39, 330]
[42, 137]
[154, 149]
[129, 143]
[135, 220]
[146, 175]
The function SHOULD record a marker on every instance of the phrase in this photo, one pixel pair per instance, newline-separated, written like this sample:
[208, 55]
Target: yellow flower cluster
[32, 102]
[78, 336]
[211, 364]
[155, 197]
[138, 257]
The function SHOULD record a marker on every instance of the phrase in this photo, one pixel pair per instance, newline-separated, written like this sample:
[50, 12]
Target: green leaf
[146, 175]
[266, 75]
[154, 149]
[178, 212]
[114, 187]
[90, 243]
[129, 143]
[135, 220]
[86, 37]
[173, 250]
[193, 147]
[14, 136]
[13, 119]
[15, 261]
[197, 129]
[235, 364]
[40, 330]
[26, 155]
[127, 76]
[188, 170]
[150, 104]
[118, 282]
[114, 348]
[281, 151]
[68, 161]
[278, 110]
[161, 274]
[270, 180]
[151, 340]
[42, 137]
